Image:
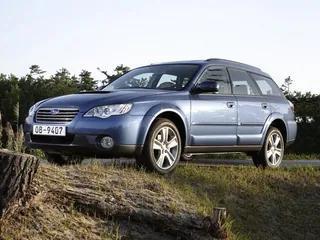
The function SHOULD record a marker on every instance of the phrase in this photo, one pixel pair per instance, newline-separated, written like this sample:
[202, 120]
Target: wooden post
[16, 174]
[215, 224]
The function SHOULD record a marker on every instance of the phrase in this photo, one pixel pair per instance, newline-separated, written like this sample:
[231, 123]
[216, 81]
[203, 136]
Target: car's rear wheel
[59, 159]
[162, 149]
[272, 152]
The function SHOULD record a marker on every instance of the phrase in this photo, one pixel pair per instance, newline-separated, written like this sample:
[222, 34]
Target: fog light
[106, 142]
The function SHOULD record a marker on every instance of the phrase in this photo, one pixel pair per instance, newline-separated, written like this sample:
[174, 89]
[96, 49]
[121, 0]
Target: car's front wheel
[162, 149]
[272, 152]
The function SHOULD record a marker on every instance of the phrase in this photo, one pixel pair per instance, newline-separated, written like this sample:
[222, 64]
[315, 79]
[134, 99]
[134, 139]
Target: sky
[280, 37]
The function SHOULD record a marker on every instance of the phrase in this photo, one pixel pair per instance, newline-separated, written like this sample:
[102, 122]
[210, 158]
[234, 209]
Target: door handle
[264, 105]
[230, 104]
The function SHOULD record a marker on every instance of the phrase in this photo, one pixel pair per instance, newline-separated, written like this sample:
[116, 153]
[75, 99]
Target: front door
[214, 115]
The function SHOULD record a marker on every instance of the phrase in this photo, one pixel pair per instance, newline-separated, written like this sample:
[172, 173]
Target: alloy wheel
[274, 149]
[166, 147]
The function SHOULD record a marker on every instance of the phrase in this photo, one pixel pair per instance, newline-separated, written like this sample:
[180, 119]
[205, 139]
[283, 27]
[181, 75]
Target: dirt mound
[95, 202]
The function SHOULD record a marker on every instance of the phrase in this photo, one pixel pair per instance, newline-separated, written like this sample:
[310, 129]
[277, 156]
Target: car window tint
[140, 81]
[266, 85]
[242, 84]
[167, 81]
[220, 76]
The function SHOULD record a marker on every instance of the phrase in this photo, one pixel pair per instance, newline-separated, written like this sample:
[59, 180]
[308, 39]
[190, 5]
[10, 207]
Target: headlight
[109, 110]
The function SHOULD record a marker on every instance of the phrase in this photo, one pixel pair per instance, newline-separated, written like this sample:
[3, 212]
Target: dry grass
[263, 204]
[271, 204]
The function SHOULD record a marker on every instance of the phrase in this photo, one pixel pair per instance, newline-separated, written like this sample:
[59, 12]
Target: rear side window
[266, 85]
[219, 75]
[242, 83]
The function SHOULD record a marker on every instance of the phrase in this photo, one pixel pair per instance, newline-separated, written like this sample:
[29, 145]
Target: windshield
[168, 77]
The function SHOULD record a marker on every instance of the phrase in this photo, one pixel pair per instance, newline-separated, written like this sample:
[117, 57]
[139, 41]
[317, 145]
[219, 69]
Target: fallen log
[184, 225]
[16, 174]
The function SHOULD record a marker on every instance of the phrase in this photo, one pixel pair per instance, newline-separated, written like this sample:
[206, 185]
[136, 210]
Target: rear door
[214, 115]
[253, 107]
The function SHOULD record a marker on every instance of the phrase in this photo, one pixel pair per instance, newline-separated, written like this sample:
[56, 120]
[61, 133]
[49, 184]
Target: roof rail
[232, 62]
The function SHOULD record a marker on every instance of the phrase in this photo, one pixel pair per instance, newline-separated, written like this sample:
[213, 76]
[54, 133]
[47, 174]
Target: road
[285, 163]
[210, 162]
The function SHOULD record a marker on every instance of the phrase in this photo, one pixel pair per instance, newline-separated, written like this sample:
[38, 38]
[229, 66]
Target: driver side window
[220, 76]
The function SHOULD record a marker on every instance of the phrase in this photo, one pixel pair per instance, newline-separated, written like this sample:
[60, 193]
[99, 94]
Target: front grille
[56, 115]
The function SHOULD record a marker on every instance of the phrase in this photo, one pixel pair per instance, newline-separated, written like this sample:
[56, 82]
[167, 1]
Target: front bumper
[83, 135]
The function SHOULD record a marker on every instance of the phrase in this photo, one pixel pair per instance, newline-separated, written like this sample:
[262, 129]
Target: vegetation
[263, 204]
[68, 203]
[308, 118]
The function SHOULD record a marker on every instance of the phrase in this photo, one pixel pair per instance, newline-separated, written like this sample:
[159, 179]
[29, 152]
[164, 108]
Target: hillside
[97, 202]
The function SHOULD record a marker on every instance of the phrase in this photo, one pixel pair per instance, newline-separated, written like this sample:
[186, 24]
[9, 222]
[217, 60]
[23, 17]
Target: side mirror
[206, 87]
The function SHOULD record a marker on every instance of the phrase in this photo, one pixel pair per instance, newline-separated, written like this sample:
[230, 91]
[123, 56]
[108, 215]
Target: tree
[87, 83]
[118, 72]
[286, 85]
[36, 70]
[1, 130]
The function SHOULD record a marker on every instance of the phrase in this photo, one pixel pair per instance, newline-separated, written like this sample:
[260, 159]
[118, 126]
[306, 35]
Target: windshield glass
[168, 77]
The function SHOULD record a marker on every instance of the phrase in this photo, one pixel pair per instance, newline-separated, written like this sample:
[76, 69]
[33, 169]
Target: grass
[261, 204]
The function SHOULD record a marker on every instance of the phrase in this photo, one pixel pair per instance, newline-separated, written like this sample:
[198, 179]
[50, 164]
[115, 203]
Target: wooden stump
[216, 223]
[16, 174]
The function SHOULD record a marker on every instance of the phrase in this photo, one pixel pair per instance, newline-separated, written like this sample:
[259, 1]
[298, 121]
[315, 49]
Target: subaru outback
[159, 113]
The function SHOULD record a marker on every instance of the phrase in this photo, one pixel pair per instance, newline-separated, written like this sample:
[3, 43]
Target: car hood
[87, 100]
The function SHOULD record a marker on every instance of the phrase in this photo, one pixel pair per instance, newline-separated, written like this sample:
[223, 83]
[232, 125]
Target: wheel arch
[278, 121]
[172, 113]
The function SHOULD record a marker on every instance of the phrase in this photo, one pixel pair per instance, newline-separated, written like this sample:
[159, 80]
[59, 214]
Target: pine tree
[87, 83]
[1, 130]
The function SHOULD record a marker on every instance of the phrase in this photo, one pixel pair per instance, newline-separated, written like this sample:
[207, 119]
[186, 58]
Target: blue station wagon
[160, 113]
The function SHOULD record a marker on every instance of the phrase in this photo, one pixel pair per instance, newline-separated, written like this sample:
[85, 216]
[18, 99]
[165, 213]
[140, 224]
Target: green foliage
[87, 83]
[308, 118]
[1, 130]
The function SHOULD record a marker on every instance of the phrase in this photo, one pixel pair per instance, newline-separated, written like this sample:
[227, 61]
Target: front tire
[162, 149]
[272, 152]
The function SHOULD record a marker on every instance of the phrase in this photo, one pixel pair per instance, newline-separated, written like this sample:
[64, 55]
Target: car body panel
[251, 118]
[212, 121]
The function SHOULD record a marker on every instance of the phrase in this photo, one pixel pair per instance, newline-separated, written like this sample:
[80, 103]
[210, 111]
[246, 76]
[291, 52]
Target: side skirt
[213, 149]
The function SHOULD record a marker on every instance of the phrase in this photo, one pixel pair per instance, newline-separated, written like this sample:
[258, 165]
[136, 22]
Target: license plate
[49, 130]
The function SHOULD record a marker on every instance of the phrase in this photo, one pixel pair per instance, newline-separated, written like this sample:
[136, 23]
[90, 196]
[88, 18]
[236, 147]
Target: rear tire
[272, 152]
[162, 149]
[61, 160]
